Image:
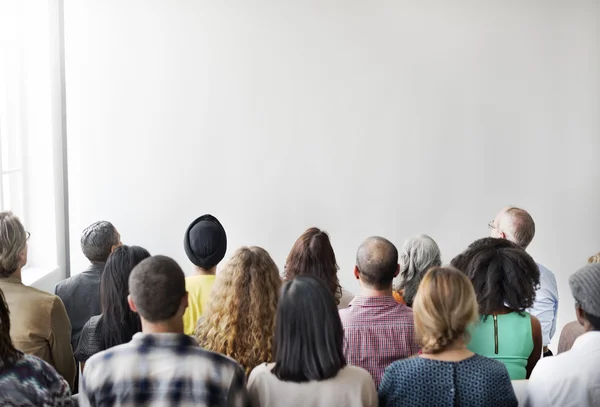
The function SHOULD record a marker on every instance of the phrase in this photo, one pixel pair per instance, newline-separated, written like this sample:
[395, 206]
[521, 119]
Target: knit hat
[205, 242]
[585, 286]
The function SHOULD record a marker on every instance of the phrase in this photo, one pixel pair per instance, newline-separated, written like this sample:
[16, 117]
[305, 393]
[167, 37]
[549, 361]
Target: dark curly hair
[313, 255]
[502, 273]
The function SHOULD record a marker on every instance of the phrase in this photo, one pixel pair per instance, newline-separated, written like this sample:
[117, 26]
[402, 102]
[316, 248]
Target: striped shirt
[377, 332]
[162, 370]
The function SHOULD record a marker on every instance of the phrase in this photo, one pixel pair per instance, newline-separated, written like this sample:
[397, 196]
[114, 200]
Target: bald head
[377, 262]
[516, 225]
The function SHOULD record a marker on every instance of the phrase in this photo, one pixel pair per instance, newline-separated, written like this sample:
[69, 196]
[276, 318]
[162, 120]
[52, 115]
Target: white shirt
[569, 379]
[545, 307]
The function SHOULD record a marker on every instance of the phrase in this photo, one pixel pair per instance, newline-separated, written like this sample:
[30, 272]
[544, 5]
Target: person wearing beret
[205, 244]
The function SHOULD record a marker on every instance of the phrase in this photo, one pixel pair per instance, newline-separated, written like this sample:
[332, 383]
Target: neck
[367, 291]
[17, 274]
[173, 325]
[455, 352]
[199, 271]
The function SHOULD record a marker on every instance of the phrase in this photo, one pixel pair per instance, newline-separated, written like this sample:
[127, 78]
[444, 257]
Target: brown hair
[8, 353]
[444, 307]
[240, 321]
[313, 255]
[13, 240]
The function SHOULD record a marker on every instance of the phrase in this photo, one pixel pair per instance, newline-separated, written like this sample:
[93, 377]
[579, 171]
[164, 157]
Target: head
[118, 322]
[309, 337]
[240, 320]
[99, 240]
[595, 258]
[502, 273]
[13, 244]
[205, 242]
[419, 254]
[312, 254]
[514, 224]
[157, 291]
[8, 353]
[444, 307]
[376, 263]
[585, 287]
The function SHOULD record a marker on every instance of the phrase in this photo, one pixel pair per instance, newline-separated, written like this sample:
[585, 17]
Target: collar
[379, 301]
[587, 340]
[96, 268]
[162, 340]
[11, 279]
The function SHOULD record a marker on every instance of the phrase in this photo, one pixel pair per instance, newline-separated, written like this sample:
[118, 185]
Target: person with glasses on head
[517, 225]
[40, 325]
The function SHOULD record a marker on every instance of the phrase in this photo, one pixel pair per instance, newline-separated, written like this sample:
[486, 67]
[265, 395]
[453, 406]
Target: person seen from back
[81, 292]
[40, 325]
[312, 254]
[310, 368]
[240, 320]
[205, 244]
[446, 373]
[161, 366]
[26, 380]
[517, 225]
[573, 378]
[377, 330]
[504, 277]
[117, 323]
[418, 254]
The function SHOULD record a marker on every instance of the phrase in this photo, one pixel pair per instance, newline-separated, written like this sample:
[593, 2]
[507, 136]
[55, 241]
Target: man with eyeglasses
[517, 225]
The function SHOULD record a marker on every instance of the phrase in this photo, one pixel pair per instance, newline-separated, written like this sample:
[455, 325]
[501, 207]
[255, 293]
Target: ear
[397, 270]
[580, 316]
[131, 304]
[356, 272]
[184, 302]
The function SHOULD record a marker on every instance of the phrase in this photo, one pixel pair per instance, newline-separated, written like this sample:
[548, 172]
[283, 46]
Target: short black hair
[156, 286]
[502, 273]
[377, 262]
[309, 336]
[97, 241]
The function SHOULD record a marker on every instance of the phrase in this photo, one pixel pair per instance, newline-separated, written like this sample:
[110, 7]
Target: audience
[574, 329]
[240, 321]
[205, 244]
[42, 328]
[377, 330]
[517, 225]
[312, 254]
[81, 292]
[161, 365]
[310, 368]
[26, 380]
[446, 373]
[504, 277]
[573, 378]
[117, 323]
[419, 254]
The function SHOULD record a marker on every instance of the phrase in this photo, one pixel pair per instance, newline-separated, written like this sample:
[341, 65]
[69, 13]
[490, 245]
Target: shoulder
[355, 373]
[259, 373]
[491, 367]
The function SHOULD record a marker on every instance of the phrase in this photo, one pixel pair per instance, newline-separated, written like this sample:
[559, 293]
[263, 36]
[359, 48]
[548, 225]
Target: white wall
[360, 117]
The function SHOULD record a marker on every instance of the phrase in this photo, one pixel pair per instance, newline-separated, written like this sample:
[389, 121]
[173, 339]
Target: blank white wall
[363, 118]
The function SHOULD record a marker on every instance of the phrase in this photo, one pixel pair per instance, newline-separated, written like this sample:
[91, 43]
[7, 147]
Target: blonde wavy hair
[444, 307]
[595, 258]
[13, 240]
[240, 320]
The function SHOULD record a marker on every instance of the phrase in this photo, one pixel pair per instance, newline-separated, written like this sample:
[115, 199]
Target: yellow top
[199, 289]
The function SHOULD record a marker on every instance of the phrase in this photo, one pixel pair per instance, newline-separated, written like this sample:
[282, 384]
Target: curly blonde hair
[595, 258]
[240, 320]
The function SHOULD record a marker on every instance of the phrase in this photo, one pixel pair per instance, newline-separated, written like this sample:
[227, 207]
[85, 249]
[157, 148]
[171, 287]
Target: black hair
[502, 273]
[377, 262]
[9, 355]
[97, 241]
[157, 286]
[118, 323]
[309, 336]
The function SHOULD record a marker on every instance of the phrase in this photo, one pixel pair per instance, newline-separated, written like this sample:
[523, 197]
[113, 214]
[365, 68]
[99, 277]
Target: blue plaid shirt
[162, 370]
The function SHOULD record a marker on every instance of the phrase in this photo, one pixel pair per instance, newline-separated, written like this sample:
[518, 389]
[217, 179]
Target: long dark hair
[313, 255]
[9, 355]
[309, 336]
[118, 323]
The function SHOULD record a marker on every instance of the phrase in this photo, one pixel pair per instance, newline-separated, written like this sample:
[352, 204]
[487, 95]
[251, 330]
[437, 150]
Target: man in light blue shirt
[517, 225]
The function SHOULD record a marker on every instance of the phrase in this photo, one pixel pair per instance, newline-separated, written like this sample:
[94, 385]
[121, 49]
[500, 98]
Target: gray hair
[419, 254]
[13, 240]
[97, 241]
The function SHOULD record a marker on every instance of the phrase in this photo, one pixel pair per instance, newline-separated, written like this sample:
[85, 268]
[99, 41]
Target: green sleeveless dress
[506, 338]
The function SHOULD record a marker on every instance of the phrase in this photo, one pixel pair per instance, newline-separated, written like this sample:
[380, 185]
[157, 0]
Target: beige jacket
[39, 325]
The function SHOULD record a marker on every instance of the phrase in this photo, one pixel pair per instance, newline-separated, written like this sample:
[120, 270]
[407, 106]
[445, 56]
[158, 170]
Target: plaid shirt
[377, 332]
[162, 370]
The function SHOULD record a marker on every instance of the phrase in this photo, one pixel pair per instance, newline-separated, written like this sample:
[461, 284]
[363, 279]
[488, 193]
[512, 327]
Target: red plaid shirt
[377, 332]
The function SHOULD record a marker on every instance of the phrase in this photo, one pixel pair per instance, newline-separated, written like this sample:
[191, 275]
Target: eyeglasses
[28, 235]
[492, 226]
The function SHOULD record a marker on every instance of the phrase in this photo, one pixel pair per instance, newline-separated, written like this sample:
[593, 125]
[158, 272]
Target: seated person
[446, 373]
[505, 278]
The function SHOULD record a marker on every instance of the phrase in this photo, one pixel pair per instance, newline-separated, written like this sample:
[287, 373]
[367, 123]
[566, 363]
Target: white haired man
[517, 225]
